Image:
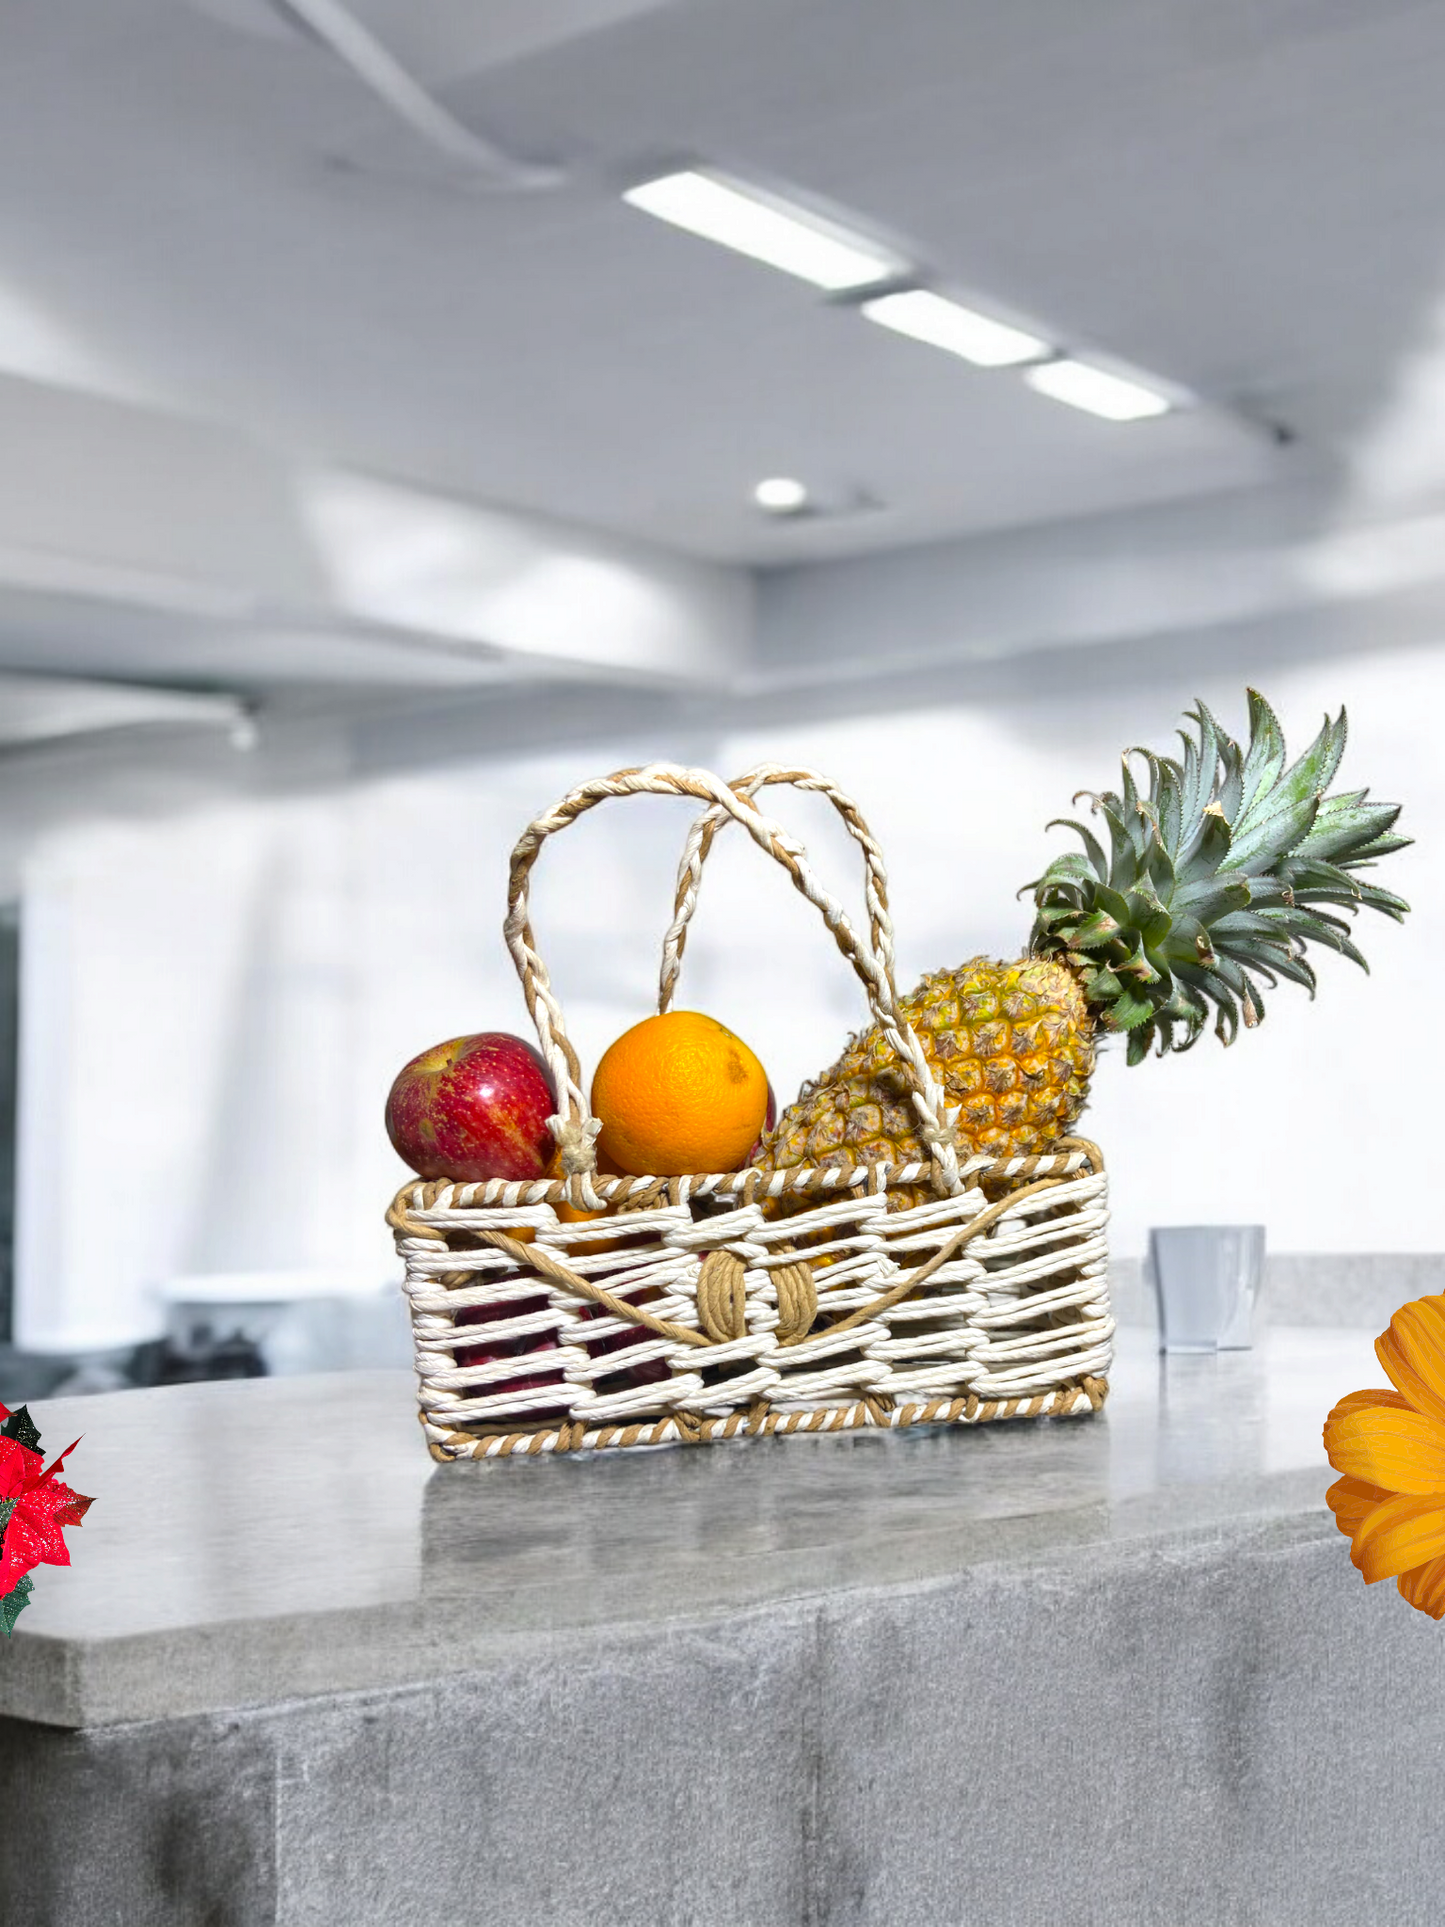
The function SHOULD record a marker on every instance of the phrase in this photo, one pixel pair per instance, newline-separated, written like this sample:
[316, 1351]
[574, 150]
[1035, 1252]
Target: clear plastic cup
[1206, 1278]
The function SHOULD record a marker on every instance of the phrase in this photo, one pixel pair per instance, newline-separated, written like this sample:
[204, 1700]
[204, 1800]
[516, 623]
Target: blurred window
[9, 1050]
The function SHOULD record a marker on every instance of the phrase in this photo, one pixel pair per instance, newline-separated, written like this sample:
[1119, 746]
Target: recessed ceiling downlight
[781, 495]
[765, 227]
[1096, 391]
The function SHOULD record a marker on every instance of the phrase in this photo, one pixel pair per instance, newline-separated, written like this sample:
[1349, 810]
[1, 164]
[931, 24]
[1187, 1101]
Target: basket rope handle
[703, 834]
[941, 1142]
[574, 1129]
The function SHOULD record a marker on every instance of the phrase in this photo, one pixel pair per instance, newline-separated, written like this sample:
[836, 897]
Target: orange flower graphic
[1390, 1447]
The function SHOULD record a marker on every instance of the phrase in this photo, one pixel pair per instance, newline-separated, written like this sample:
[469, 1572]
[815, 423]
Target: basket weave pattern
[695, 1310]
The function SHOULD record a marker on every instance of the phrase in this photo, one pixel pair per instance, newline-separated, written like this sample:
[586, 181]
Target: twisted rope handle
[574, 1129]
[703, 834]
[934, 1125]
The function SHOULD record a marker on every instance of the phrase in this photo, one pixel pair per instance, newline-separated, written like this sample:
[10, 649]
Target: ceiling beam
[1288, 558]
[47, 709]
[277, 571]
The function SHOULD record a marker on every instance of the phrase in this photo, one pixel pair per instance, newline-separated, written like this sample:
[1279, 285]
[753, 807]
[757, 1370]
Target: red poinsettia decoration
[35, 1508]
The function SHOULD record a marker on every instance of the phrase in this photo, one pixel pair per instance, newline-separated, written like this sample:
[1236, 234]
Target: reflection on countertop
[260, 1539]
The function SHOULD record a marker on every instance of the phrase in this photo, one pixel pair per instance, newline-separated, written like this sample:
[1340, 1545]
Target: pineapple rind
[1011, 1045]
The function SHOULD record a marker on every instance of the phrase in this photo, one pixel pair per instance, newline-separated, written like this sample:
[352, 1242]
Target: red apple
[537, 1380]
[652, 1371]
[474, 1108]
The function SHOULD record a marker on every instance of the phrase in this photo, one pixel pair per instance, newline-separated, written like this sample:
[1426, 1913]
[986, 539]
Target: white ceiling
[1247, 197]
[443, 40]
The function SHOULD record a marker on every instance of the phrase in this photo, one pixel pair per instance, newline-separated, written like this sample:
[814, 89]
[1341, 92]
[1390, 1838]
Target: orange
[569, 1214]
[677, 1094]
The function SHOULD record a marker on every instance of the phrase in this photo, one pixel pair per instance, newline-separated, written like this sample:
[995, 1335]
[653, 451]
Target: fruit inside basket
[919, 1236]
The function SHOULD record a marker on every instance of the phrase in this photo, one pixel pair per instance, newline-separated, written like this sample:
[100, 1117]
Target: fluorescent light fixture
[780, 495]
[948, 324]
[1096, 391]
[766, 228]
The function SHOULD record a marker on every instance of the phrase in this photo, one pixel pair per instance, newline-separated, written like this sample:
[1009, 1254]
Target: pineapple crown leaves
[1218, 874]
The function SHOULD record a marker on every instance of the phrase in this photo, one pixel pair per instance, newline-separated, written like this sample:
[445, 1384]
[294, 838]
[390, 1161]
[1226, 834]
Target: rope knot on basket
[576, 1139]
[722, 1306]
[797, 1301]
[576, 1143]
[941, 1143]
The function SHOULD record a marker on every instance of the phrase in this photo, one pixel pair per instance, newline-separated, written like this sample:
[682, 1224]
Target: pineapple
[1215, 877]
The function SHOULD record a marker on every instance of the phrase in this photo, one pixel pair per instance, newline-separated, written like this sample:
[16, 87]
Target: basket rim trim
[749, 1184]
[761, 1419]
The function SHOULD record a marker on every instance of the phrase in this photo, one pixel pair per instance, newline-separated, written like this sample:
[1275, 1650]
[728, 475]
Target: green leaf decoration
[1217, 877]
[21, 1427]
[14, 1603]
[1094, 849]
[1129, 1010]
[1265, 757]
[7, 1506]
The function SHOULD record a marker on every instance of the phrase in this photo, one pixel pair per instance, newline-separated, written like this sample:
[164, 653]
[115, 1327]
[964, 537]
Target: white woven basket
[695, 1311]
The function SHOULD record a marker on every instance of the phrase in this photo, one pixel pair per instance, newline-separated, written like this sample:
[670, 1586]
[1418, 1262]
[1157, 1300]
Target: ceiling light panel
[765, 228]
[1097, 391]
[932, 318]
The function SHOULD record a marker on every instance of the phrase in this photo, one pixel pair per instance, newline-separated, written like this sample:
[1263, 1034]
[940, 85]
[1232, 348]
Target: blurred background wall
[372, 472]
[216, 998]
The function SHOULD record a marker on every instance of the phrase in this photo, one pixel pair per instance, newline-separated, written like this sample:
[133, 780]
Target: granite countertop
[260, 1540]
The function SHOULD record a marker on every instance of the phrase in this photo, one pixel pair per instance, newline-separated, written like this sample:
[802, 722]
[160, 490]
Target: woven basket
[730, 1303]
